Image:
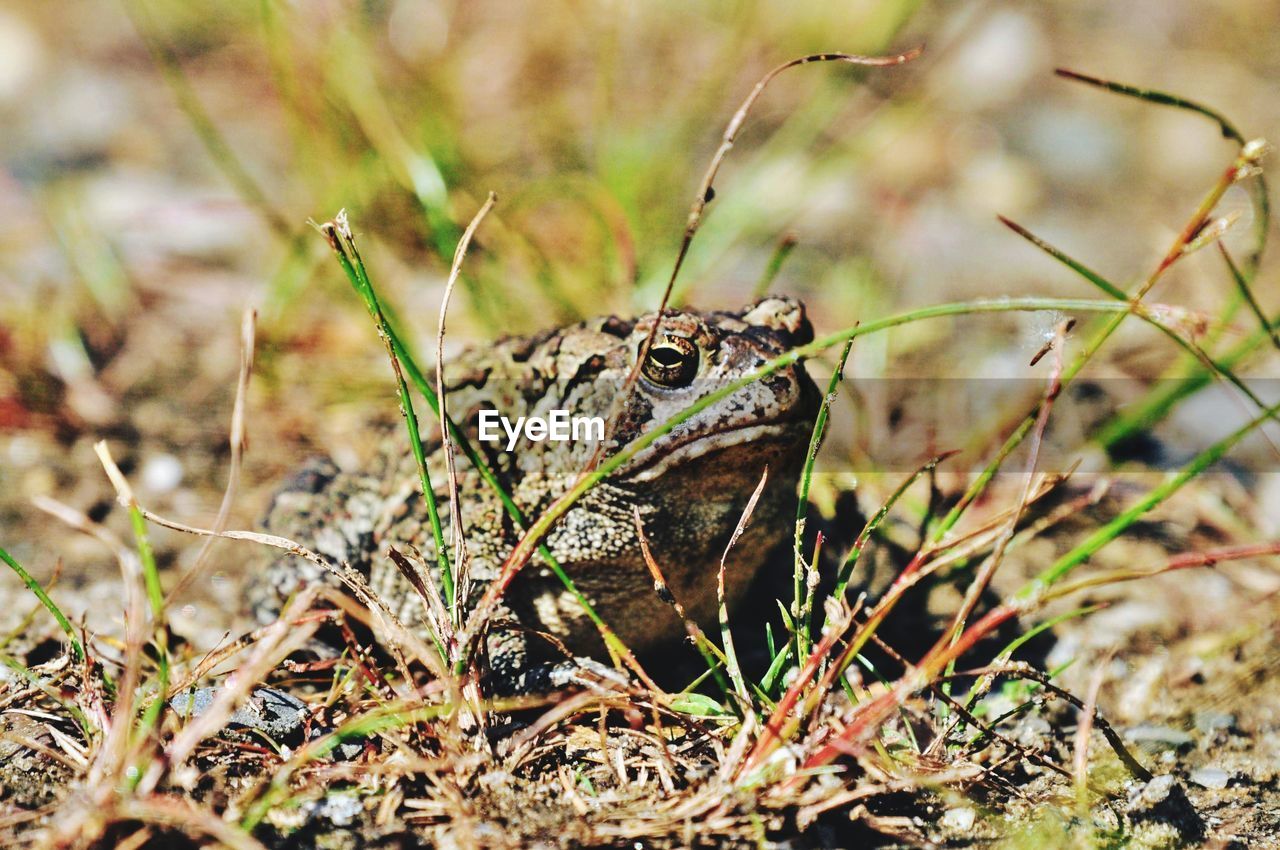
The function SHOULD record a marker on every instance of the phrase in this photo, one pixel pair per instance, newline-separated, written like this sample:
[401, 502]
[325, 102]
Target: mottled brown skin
[690, 487]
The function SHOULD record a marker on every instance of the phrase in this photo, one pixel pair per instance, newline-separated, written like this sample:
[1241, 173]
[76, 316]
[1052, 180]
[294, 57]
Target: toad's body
[689, 488]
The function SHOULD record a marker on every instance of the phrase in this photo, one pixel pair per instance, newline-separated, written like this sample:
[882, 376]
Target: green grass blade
[776, 261]
[150, 572]
[1062, 257]
[34, 586]
[155, 600]
[845, 573]
[1201, 356]
[774, 674]
[155, 596]
[1246, 292]
[341, 240]
[1113, 529]
[1156, 406]
[804, 583]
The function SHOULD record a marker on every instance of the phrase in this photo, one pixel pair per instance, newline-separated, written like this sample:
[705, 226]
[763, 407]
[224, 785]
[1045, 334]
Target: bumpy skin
[690, 487]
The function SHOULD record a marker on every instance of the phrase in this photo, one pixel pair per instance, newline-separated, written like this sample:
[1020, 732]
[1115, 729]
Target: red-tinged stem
[1233, 553]
[852, 738]
[775, 728]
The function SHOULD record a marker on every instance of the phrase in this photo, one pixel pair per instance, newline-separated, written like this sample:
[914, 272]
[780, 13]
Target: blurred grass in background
[592, 121]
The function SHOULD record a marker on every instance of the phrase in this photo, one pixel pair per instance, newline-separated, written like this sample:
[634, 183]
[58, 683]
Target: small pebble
[1152, 793]
[272, 712]
[1210, 777]
[21, 55]
[162, 473]
[1213, 721]
[276, 714]
[960, 820]
[23, 451]
[340, 809]
[1154, 738]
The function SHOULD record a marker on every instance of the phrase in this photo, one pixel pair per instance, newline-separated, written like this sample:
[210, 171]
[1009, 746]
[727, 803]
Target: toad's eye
[672, 362]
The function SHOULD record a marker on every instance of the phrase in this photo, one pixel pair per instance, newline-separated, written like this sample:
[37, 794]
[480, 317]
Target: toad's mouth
[661, 457]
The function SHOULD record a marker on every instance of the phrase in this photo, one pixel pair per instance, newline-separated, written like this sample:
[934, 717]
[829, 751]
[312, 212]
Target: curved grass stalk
[1261, 199]
[1158, 404]
[1244, 163]
[524, 549]
[706, 192]
[1213, 367]
[455, 510]
[1004, 655]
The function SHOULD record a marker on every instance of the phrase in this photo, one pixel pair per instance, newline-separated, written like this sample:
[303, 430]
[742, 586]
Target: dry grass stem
[455, 511]
[239, 443]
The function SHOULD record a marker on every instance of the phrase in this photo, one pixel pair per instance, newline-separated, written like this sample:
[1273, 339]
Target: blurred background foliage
[161, 159]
